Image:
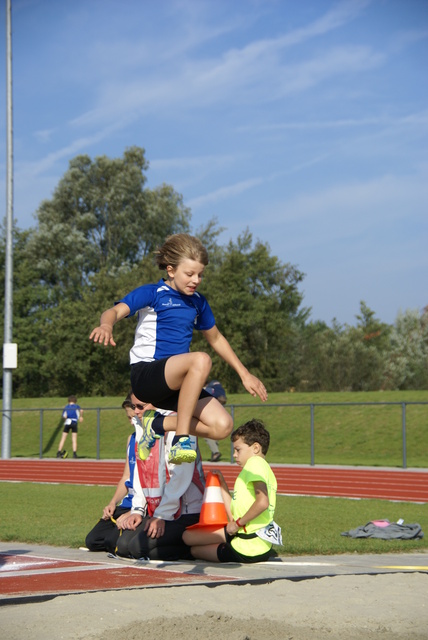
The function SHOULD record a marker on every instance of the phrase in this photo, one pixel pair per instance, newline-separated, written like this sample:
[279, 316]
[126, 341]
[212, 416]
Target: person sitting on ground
[167, 498]
[103, 537]
[72, 414]
[248, 535]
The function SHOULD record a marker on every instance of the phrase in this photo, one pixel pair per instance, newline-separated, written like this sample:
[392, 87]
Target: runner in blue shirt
[72, 414]
[163, 369]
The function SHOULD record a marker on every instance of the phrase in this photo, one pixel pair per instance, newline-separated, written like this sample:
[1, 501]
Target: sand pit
[345, 607]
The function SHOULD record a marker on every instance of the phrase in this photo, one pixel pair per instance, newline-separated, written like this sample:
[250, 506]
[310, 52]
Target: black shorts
[149, 385]
[226, 553]
[70, 427]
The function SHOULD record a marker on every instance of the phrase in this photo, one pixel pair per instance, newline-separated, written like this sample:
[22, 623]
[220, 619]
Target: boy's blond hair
[179, 247]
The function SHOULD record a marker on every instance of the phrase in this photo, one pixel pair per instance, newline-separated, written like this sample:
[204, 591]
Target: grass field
[62, 515]
[348, 428]
[353, 433]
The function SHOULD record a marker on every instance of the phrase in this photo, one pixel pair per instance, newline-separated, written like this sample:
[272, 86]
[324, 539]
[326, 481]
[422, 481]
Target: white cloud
[413, 119]
[224, 193]
[193, 162]
[256, 71]
[44, 135]
[43, 165]
[350, 209]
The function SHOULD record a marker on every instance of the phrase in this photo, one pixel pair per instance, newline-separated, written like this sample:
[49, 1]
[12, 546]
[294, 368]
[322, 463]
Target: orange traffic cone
[213, 512]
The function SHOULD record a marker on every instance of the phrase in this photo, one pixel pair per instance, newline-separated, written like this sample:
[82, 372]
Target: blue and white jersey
[129, 483]
[166, 319]
[71, 413]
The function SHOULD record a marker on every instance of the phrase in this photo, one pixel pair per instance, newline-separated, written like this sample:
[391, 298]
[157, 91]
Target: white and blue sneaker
[149, 437]
[182, 451]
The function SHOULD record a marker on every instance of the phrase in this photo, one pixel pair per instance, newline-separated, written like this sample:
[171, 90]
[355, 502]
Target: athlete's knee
[90, 542]
[133, 548]
[122, 547]
[202, 362]
[224, 426]
[187, 538]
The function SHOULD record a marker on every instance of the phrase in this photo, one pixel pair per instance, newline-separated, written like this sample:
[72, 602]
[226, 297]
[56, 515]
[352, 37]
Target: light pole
[9, 349]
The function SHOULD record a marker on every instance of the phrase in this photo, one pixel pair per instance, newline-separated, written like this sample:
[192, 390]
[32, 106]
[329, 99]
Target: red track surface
[400, 485]
[30, 575]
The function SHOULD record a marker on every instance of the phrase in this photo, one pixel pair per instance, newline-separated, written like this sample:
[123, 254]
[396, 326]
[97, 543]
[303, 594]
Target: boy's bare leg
[187, 373]
[210, 420]
[62, 441]
[206, 552]
[204, 544]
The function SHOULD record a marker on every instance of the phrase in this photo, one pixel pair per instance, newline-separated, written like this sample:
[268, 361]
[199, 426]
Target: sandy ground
[392, 605]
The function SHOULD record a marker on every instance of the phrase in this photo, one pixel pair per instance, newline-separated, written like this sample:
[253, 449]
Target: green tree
[30, 317]
[343, 357]
[91, 243]
[407, 364]
[101, 217]
[313, 345]
[255, 299]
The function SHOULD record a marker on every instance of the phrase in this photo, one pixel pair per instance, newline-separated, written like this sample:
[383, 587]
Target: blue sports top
[129, 483]
[71, 412]
[166, 319]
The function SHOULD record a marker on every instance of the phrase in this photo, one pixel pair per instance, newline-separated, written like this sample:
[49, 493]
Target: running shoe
[64, 454]
[149, 437]
[182, 451]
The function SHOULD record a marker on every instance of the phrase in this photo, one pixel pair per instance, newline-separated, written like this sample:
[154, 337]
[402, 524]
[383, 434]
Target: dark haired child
[251, 531]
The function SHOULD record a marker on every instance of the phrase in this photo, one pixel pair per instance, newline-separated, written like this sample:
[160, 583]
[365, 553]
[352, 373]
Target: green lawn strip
[355, 434]
[62, 515]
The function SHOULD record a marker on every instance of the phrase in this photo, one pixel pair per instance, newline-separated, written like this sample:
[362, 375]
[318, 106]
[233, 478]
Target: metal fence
[322, 428]
[402, 406]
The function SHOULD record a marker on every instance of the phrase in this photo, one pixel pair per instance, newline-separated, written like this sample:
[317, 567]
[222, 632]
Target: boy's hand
[103, 334]
[129, 521]
[108, 511]
[155, 528]
[218, 473]
[232, 528]
[255, 386]
[121, 519]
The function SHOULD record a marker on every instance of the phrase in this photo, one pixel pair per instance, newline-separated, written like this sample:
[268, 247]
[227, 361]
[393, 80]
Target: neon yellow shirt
[256, 469]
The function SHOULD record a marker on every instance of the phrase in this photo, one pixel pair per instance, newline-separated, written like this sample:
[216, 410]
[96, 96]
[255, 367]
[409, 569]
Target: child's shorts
[149, 385]
[226, 553]
[70, 427]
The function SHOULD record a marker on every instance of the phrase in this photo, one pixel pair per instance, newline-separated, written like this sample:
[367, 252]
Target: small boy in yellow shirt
[251, 531]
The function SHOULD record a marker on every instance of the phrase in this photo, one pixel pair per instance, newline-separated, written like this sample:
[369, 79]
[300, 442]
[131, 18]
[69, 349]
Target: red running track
[398, 484]
[26, 575]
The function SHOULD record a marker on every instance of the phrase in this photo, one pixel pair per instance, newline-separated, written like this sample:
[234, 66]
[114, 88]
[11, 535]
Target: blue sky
[304, 120]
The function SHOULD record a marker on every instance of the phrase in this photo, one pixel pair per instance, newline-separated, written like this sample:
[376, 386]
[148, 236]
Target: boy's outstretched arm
[225, 493]
[104, 333]
[218, 342]
[260, 504]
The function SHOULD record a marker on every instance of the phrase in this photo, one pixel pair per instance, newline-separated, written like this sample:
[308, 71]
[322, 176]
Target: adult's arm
[121, 489]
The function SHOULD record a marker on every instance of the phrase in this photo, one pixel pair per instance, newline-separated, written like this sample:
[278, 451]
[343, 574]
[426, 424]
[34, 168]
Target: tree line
[93, 242]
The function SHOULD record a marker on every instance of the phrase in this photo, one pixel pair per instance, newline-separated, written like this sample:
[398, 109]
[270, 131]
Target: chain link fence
[371, 434]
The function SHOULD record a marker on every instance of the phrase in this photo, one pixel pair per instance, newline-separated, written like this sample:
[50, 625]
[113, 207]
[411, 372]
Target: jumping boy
[163, 369]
